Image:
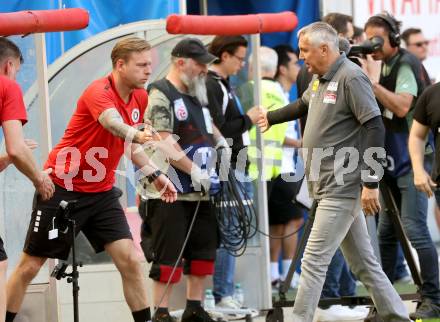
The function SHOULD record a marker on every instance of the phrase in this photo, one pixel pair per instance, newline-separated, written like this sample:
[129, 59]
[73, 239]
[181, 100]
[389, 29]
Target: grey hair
[320, 33]
[268, 59]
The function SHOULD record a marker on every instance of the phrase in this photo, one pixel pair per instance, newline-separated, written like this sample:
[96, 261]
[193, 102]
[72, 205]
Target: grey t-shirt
[339, 103]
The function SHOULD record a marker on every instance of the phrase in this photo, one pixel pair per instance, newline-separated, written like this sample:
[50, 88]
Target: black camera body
[63, 213]
[367, 47]
[59, 271]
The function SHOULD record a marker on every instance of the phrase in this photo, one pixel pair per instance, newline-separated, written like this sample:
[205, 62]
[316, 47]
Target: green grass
[361, 291]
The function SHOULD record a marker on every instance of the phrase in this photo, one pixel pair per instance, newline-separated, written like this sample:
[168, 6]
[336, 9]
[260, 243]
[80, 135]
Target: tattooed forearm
[111, 120]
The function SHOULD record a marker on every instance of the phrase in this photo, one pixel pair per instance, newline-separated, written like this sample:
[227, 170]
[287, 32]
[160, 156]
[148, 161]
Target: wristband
[373, 182]
[153, 176]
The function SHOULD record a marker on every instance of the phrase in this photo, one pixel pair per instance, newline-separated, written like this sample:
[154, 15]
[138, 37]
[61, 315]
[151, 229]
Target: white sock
[274, 271]
[286, 266]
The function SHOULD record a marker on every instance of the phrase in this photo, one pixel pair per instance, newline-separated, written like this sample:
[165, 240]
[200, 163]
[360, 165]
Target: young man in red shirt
[84, 164]
[13, 117]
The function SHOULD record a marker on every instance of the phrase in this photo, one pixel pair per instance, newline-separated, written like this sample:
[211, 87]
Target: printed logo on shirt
[332, 86]
[180, 110]
[329, 98]
[135, 114]
[315, 85]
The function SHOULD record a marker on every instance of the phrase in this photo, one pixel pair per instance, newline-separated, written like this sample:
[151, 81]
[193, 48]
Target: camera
[63, 213]
[367, 47]
[59, 271]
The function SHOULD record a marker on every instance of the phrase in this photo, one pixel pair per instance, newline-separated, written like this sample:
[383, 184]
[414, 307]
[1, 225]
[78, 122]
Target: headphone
[394, 35]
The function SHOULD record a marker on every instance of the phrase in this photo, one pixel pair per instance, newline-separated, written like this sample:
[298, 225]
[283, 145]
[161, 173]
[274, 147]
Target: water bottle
[209, 302]
[239, 295]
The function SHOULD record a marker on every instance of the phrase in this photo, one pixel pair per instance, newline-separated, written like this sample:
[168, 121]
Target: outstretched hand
[146, 135]
[168, 192]
[262, 121]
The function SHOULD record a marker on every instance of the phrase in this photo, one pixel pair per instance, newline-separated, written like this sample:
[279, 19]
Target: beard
[196, 87]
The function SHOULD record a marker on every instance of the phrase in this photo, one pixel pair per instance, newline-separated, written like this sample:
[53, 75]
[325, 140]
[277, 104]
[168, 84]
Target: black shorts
[165, 228]
[281, 195]
[3, 255]
[98, 215]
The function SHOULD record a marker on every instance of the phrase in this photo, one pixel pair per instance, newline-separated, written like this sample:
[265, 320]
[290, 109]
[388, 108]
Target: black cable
[237, 218]
[282, 236]
[235, 215]
[179, 258]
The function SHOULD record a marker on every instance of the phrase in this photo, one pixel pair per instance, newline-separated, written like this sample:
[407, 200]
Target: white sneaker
[363, 309]
[407, 279]
[338, 313]
[295, 280]
[228, 302]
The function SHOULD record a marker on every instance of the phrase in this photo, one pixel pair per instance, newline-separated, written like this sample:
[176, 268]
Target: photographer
[397, 83]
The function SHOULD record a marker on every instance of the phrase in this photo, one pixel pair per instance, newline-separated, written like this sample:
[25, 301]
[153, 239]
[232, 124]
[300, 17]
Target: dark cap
[193, 48]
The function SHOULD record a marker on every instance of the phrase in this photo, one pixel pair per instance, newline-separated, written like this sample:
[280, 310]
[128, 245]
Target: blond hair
[124, 48]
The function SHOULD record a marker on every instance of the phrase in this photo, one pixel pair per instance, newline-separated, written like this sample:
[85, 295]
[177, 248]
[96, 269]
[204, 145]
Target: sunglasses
[420, 43]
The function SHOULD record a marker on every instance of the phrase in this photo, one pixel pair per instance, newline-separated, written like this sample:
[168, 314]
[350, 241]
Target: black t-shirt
[229, 120]
[427, 112]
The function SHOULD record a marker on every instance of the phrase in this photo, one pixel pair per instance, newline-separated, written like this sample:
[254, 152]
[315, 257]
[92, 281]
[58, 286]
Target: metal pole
[43, 95]
[182, 7]
[203, 7]
[45, 143]
[61, 6]
[75, 274]
[261, 186]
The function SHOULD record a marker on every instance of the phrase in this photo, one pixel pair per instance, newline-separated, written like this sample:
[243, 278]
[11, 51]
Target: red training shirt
[11, 101]
[87, 156]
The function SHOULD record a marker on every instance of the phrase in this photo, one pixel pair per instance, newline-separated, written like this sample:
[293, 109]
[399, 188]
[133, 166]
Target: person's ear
[224, 56]
[283, 70]
[180, 62]
[324, 49]
[7, 66]
[119, 63]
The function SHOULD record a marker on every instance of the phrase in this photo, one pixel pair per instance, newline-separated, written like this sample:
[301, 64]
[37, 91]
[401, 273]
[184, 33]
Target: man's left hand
[370, 201]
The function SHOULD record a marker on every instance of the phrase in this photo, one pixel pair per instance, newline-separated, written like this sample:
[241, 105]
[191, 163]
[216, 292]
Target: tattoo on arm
[111, 120]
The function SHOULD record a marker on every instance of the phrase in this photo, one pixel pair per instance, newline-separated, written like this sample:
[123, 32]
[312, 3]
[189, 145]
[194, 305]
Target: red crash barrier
[231, 25]
[26, 22]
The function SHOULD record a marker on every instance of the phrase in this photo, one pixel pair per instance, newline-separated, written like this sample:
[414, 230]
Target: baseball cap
[193, 48]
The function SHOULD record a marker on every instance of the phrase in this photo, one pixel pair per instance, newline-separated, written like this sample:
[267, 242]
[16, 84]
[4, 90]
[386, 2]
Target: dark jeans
[401, 271]
[338, 280]
[413, 206]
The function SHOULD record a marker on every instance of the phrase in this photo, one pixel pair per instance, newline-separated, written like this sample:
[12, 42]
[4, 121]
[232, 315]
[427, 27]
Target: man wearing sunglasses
[417, 44]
